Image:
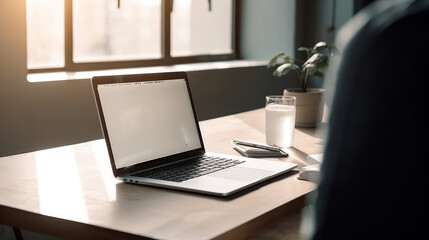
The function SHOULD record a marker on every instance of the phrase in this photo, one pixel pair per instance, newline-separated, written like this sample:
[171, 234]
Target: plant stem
[304, 81]
[301, 78]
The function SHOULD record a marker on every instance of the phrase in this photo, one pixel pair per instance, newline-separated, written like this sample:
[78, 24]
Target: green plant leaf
[332, 49]
[322, 45]
[316, 65]
[313, 59]
[280, 56]
[322, 64]
[304, 49]
[287, 59]
[273, 61]
[310, 69]
[285, 69]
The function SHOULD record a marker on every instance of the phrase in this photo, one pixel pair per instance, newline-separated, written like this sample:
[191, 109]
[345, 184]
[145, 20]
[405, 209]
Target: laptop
[153, 138]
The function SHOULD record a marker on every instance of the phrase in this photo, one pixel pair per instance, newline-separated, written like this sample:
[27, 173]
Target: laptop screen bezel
[99, 80]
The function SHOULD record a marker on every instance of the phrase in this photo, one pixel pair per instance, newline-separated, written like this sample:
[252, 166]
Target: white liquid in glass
[279, 124]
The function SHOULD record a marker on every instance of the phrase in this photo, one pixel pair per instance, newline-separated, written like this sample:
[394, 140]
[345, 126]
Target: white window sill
[60, 76]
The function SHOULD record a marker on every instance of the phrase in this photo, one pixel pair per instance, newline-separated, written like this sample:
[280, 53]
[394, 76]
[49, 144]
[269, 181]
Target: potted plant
[309, 101]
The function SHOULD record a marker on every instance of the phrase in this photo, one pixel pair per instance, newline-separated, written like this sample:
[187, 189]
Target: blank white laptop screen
[148, 120]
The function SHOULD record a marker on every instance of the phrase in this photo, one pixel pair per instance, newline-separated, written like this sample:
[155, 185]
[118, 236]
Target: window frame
[165, 60]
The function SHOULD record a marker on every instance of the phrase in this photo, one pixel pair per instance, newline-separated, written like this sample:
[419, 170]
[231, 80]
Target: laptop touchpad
[242, 174]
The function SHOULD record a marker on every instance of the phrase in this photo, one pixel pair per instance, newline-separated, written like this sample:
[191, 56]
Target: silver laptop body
[149, 120]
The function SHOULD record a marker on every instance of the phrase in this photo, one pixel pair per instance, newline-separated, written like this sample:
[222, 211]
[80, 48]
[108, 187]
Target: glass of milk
[280, 120]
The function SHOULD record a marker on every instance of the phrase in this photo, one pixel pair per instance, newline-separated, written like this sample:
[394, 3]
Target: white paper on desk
[311, 172]
[315, 158]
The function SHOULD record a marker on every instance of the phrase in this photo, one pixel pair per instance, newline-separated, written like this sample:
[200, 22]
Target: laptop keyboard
[188, 169]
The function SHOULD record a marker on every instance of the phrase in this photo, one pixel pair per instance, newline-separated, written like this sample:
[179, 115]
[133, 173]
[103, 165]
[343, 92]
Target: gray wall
[268, 27]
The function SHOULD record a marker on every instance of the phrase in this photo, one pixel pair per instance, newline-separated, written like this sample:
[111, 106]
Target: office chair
[375, 173]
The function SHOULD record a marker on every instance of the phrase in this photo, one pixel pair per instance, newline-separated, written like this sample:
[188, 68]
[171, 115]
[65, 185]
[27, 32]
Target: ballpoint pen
[259, 145]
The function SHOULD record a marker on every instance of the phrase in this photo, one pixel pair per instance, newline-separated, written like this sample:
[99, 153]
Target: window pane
[104, 32]
[45, 33]
[195, 30]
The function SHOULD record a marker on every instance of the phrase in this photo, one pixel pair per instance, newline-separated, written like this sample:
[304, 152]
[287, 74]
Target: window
[76, 35]
[45, 34]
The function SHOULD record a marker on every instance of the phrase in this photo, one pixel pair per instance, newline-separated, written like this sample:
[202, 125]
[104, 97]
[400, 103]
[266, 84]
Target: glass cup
[280, 114]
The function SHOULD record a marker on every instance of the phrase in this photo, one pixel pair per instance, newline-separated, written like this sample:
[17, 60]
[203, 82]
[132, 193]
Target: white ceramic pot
[309, 106]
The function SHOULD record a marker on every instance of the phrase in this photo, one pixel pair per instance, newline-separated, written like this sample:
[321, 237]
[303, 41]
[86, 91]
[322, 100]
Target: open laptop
[153, 137]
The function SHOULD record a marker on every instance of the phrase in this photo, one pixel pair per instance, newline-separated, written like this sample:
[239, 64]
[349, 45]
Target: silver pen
[258, 145]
